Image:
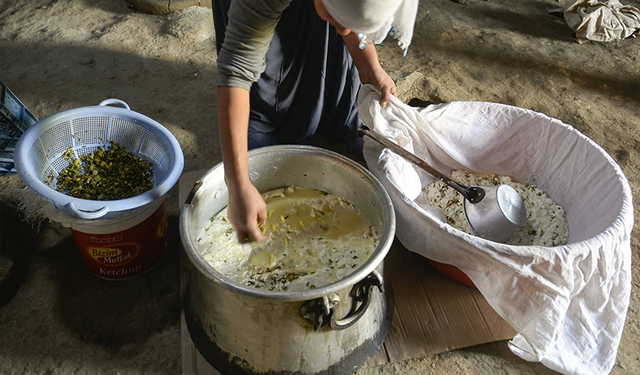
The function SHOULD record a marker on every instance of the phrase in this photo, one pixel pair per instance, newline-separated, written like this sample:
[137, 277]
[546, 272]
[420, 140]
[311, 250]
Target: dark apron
[310, 83]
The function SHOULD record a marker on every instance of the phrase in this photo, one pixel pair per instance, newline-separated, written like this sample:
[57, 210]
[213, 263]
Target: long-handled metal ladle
[495, 212]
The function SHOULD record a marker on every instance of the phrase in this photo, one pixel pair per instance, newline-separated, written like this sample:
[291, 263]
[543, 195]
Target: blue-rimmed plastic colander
[38, 154]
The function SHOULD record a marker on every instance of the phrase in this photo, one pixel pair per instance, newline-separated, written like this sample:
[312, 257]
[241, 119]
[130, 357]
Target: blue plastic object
[15, 119]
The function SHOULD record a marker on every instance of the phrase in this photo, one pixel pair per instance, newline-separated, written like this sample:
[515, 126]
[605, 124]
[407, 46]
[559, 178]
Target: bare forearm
[246, 207]
[366, 60]
[233, 123]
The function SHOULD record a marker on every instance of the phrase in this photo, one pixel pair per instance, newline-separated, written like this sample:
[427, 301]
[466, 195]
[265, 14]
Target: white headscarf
[376, 18]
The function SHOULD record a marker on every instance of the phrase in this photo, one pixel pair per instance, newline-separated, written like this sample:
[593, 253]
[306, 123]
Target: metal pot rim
[386, 240]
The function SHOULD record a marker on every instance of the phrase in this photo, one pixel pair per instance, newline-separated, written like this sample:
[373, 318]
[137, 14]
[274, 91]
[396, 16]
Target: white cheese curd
[315, 239]
[546, 223]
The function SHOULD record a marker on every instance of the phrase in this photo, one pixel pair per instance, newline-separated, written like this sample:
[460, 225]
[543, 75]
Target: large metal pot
[334, 329]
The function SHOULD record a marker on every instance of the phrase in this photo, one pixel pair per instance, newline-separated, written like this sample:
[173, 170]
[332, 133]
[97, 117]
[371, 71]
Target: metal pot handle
[193, 191]
[320, 311]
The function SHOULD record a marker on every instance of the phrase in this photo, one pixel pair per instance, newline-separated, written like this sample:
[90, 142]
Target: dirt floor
[56, 318]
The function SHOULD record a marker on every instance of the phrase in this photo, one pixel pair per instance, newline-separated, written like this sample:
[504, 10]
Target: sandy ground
[56, 318]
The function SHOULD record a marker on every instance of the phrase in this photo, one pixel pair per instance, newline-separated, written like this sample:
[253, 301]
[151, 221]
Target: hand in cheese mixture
[246, 210]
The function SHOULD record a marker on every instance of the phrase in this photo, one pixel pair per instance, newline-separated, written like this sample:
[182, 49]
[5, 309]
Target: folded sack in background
[600, 21]
[568, 303]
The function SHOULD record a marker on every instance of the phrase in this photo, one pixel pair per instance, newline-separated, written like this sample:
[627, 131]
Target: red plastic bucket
[124, 247]
[452, 272]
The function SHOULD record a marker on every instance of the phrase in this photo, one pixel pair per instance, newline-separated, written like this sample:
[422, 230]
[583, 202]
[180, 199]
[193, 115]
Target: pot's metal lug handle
[193, 192]
[320, 311]
[317, 311]
[361, 294]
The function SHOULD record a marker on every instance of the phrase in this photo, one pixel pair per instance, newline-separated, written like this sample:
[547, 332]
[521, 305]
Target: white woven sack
[568, 303]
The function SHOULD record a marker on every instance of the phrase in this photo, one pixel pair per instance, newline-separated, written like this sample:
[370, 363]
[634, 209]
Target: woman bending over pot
[288, 69]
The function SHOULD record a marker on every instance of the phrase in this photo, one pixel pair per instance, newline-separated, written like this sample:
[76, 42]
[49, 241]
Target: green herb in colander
[109, 173]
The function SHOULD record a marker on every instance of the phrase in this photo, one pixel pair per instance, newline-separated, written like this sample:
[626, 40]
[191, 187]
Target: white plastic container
[39, 154]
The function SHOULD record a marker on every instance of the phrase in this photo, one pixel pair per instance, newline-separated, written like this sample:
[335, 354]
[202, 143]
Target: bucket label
[128, 252]
[106, 240]
[163, 226]
[114, 256]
